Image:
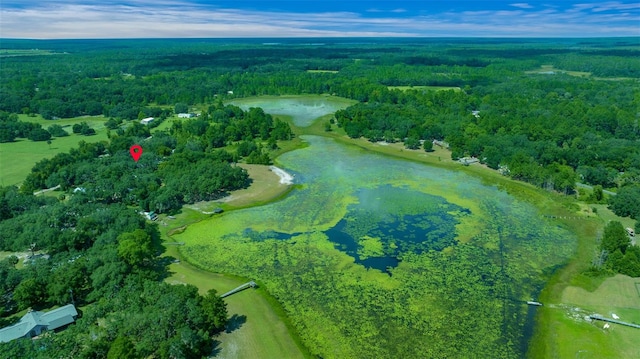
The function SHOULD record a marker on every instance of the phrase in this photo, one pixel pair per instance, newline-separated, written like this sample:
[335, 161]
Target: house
[186, 115]
[146, 121]
[35, 323]
[152, 216]
[440, 144]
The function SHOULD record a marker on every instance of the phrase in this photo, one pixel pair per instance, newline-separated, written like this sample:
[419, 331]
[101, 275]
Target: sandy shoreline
[285, 178]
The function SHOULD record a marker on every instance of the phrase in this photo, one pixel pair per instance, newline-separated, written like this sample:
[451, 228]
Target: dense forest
[577, 121]
[551, 113]
[91, 247]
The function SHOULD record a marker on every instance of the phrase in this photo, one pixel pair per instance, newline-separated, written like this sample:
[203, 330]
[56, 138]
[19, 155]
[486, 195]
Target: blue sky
[74, 19]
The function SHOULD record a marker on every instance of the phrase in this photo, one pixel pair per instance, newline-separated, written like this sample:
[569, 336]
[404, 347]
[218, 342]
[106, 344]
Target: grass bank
[257, 328]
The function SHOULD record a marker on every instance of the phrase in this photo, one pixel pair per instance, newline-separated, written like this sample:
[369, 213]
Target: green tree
[412, 143]
[428, 146]
[597, 193]
[112, 123]
[39, 134]
[627, 202]
[122, 348]
[57, 131]
[29, 293]
[615, 238]
[135, 248]
[215, 310]
[181, 108]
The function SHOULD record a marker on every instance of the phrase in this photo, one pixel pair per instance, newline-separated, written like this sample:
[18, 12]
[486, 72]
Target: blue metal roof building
[35, 323]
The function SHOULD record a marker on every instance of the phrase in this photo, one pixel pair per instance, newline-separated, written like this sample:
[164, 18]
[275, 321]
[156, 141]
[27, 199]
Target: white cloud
[522, 5]
[175, 18]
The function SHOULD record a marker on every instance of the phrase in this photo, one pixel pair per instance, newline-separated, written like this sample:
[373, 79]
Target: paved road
[582, 185]
[46, 190]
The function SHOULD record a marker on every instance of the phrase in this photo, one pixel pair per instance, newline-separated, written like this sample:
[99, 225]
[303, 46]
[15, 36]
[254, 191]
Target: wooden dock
[251, 284]
[599, 317]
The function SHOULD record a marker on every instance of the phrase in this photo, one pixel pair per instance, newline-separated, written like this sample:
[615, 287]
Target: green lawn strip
[17, 158]
[432, 88]
[607, 215]
[263, 330]
[571, 335]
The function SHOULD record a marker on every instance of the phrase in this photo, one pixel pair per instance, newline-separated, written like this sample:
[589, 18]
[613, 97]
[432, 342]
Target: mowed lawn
[619, 295]
[257, 330]
[17, 158]
[425, 88]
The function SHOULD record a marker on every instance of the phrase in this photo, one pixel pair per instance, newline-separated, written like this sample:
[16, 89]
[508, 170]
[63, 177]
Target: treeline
[121, 78]
[11, 128]
[617, 254]
[530, 128]
[186, 164]
[550, 130]
[103, 258]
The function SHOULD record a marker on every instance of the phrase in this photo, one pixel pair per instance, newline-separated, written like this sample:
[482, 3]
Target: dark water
[403, 220]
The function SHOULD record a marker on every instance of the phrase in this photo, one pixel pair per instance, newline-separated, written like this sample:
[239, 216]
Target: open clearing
[322, 71]
[17, 158]
[550, 70]
[265, 186]
[425, 88]
[576, 337]
[258, 331]
[26, 52]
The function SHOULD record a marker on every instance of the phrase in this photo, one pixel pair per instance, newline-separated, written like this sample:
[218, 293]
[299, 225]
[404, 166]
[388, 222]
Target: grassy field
[25, 52]
[577, 337]
[265, 187]
[257, 330]
[17, 158]
[550, 70]
[322, 71]
[426, 88]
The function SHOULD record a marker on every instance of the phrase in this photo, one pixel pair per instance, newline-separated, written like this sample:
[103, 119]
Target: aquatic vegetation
[365, 256]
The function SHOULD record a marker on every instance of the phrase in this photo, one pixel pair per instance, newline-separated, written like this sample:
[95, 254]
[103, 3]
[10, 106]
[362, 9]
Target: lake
[372, 256]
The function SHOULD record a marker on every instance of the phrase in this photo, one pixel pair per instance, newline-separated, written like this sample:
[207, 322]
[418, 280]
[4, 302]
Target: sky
[86, 19]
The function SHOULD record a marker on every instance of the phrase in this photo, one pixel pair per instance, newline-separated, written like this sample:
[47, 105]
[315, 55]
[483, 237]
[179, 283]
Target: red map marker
[136, 152]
